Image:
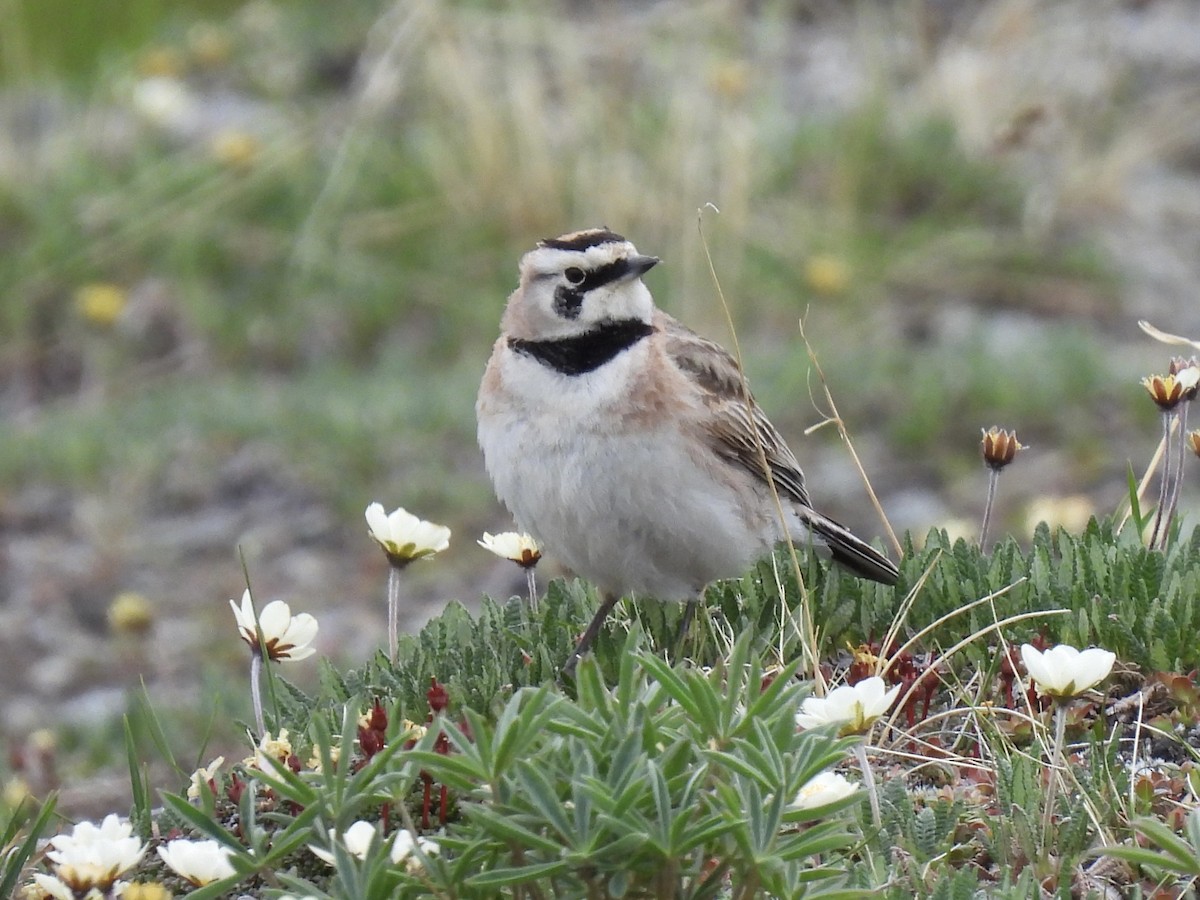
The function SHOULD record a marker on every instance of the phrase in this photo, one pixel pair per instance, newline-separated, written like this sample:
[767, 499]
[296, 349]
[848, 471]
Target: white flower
[111, 830]
[826, 788]
[204, 776]
[277, 748]
[402, 847]
[284, 635]
[53, 887]
[412, 731]
[93, 857]
[520, 548]
[403, 536]
[315, 763]
[357, 840]
[165, 102]
[1064, 671]
[200, 862]
[853, 707]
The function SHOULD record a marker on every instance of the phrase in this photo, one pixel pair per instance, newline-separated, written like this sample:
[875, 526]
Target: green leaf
[1184, 856]
[139, 781]
[13, 862]
[814, 840]
[456, 771]
[299, 831]
[741, 766]
[515, 875]
[144, 715]
[507, 828]
[520, 724]
[540, 792]
[618, 884]
[679, 691]
[217, 889]
[203, 823]
[1148, 859]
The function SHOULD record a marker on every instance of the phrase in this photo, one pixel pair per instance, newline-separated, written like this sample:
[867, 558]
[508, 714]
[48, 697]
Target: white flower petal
[405, 537]
[200, 862]
[888, 700]
[852, 707]
[377, 521]
[359, 837]
[357, 840]
[93, 857]
[301, 631]
[274, 619]
[244, 613]
[322, 854]
[1095, 664]
[1037, 669]
[1063, 671]
[825, 788]
[286, 636]
[520, 548]
[402, 845]
[202, 776]
[53, 887]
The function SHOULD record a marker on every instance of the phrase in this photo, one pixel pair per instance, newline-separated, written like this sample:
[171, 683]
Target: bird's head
[576, 282]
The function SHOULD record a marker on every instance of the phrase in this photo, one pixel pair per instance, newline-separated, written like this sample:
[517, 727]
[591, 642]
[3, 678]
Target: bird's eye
[574, 274]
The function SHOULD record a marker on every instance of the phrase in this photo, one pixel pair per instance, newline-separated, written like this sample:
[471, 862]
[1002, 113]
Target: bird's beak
[640, 265]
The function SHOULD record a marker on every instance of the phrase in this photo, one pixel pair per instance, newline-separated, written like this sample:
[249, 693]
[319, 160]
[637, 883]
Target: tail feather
[852, 552]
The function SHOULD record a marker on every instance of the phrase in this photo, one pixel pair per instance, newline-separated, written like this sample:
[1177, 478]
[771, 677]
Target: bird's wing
[733, 419]
[733, 416]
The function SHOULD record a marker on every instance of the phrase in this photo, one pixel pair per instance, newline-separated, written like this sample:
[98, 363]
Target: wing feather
[733, 422]
[734, 416]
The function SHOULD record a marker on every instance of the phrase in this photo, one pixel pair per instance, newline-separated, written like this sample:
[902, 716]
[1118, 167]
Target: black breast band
[585, 352]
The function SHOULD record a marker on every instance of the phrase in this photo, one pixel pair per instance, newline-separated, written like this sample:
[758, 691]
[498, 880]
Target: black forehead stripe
[583, 240]
[595, 278]
[585, 352]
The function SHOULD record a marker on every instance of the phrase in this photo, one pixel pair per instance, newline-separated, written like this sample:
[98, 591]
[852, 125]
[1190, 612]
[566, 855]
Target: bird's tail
[852, 552]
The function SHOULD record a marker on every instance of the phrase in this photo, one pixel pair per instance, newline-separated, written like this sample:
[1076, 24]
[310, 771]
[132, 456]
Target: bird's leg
[593, 629]
[689, 613]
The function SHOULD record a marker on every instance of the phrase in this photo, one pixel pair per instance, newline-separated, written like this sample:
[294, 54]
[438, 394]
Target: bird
[628, 445]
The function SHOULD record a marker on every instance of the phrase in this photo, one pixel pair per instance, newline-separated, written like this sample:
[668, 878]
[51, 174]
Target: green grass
[549, 785]
[57, 39]
[337, 429]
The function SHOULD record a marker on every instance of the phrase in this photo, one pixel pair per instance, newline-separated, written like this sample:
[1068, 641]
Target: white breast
[631, 506]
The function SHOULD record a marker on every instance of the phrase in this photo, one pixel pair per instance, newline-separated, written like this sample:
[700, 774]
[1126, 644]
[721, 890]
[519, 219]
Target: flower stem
[256, 692]
[393, 602]
[860, 752]
[1177, 487]
[1060, 731]
[993, 477]
[1164, 480]
[533, 597]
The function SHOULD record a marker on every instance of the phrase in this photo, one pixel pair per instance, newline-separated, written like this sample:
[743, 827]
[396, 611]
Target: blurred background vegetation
[253, 256]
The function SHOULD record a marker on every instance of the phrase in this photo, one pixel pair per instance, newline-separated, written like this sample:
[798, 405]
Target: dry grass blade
[835, 417]
[808, 631]
[1166, 337]
[902, 614]
[941, 754]
[995, 626]
[396, 34]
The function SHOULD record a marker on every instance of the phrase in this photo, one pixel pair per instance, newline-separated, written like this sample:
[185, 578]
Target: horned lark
[627, 445]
